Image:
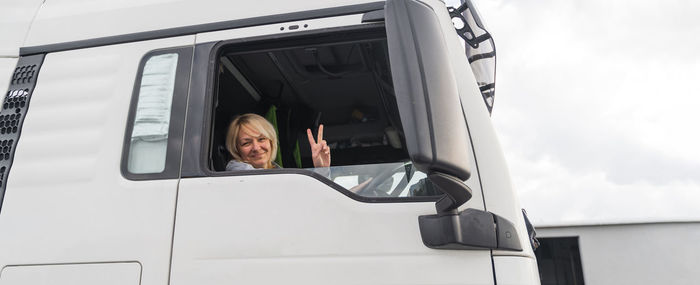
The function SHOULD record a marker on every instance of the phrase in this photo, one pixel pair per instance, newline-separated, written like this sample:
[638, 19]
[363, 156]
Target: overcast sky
[597, 107]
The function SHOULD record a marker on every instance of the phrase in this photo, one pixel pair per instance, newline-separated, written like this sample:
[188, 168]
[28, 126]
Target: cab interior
[341, 80]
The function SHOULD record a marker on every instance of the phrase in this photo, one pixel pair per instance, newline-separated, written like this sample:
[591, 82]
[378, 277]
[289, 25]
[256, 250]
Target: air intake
[13, 111]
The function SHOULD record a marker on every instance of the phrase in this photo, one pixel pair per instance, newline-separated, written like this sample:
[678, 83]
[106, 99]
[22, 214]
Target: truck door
[296, 225]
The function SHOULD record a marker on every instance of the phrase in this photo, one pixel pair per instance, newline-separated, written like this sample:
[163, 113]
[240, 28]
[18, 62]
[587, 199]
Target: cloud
[597, 103]
[554, 196]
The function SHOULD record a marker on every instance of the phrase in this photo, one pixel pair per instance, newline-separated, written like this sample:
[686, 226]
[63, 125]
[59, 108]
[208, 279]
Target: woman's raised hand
[320, 152]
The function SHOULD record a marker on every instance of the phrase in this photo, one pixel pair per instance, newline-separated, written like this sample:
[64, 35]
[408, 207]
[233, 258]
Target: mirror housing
[427, 95]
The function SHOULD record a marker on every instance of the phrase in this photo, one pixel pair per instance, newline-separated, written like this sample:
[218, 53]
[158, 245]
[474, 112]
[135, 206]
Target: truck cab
[114, 158]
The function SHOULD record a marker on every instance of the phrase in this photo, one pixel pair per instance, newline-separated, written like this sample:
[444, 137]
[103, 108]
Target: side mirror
[437, 139]
[428, 96]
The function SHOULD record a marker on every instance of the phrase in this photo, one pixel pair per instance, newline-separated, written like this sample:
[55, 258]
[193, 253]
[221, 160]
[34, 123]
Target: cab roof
[51, 22]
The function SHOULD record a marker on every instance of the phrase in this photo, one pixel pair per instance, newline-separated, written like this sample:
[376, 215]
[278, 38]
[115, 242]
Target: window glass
[384, 180]
[149, 138]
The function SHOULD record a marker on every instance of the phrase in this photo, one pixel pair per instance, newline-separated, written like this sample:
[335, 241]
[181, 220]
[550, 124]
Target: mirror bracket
[467, 230]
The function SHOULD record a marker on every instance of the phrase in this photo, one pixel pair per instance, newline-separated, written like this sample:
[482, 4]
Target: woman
[252, 141]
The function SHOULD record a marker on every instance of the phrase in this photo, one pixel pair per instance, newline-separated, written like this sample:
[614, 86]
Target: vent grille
[2, 175]
[24, 74]
[5, 150]
[16, 99]
[13, 111]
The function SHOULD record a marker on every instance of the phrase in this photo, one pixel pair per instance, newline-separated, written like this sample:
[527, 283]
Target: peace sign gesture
[320, 152]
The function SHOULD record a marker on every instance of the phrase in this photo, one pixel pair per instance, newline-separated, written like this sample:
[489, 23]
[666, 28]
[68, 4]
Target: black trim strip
[326, 181]
[482, 56]
[194, 29]
[493, 269]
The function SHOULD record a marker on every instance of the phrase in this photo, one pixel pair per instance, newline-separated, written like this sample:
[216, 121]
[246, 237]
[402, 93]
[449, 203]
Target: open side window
[341, 79]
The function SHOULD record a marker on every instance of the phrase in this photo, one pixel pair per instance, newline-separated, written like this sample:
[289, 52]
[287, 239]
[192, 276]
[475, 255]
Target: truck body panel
[80, 197]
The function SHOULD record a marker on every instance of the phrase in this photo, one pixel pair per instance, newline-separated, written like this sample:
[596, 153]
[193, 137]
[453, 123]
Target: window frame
[199, 129]
[177, 115]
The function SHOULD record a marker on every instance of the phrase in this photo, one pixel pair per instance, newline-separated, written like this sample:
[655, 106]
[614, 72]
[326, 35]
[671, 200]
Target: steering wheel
[371, 189]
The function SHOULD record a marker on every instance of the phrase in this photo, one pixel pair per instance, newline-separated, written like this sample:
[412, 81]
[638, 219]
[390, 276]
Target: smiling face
[253, 140]
[253, 147]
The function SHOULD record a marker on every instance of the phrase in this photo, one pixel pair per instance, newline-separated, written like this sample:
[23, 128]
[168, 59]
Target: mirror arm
[456, 192]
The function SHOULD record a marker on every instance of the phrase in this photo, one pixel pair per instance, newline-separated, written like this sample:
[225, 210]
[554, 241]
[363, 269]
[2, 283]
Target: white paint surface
[294, 229]
[71, 20]
[126, 273]
[515, 270]
[17, 16]
[66, 201]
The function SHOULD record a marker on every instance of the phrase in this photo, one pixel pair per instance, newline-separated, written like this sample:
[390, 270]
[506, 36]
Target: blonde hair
[256, 123]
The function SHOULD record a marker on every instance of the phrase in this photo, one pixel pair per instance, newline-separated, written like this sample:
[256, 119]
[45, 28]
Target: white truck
[112, 131]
